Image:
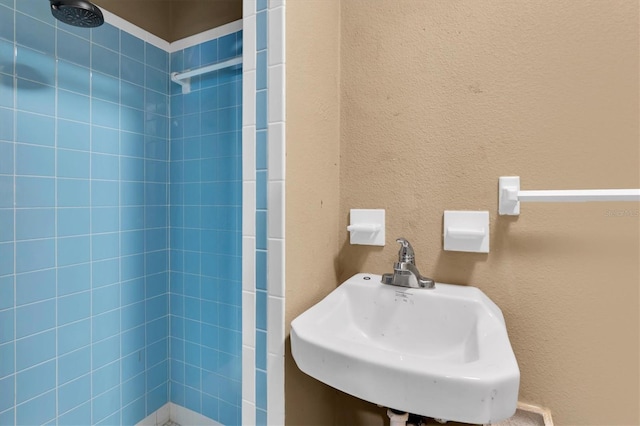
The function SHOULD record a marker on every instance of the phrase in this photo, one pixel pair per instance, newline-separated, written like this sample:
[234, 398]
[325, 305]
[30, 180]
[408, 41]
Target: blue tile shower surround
[87, 171]
[206, 233]
[84, 216]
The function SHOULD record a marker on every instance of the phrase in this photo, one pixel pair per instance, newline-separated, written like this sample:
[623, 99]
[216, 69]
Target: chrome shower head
[78, 13]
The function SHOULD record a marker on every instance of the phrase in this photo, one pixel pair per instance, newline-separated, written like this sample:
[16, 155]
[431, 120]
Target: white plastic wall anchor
[466, 231]
[367, 227]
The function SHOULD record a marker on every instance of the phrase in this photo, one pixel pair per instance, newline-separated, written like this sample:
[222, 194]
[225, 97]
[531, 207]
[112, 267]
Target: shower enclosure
[121, 217]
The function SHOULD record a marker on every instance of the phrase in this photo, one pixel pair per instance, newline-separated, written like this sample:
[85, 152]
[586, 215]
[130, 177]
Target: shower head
[78, 13]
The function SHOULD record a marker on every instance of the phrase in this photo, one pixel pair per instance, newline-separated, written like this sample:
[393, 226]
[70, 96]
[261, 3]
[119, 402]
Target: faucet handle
[406, 253]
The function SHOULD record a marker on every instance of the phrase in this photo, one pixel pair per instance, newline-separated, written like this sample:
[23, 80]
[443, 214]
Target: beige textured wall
[312, 197]
[439, 99]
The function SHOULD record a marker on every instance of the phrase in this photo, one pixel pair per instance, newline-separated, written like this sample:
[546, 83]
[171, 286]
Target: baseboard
[157, 418]
[185, 417]
[528, 415]
[178, 414]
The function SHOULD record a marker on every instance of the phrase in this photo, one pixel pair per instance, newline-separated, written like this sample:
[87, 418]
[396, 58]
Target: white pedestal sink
[441, 353]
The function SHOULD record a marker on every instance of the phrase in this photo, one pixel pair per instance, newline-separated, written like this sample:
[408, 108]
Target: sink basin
[441, 353]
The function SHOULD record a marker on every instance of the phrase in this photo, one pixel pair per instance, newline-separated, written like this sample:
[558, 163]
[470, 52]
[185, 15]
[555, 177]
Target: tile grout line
[55, 202]
[14, 116]
[120, 231]
[91, 100]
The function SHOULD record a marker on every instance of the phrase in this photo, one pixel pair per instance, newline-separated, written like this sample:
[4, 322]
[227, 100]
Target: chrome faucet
[405, 273]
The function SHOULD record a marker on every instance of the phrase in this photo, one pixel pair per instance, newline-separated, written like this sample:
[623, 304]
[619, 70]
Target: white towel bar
[510, 195]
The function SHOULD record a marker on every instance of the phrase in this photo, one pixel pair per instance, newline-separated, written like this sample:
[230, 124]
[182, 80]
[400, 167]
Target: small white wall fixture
[367, 227]
[466, 231]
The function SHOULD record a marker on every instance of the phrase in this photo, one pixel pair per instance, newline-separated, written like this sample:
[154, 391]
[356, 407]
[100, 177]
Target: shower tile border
[254, 113]
[276, 117]
[248, 403]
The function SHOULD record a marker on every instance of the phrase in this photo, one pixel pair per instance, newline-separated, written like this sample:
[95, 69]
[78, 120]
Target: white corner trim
[211, 34]
[177, 45]
[134, 30]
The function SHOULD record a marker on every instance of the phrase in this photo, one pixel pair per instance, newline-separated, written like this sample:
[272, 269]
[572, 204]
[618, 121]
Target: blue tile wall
[84, 222]
[205, 234]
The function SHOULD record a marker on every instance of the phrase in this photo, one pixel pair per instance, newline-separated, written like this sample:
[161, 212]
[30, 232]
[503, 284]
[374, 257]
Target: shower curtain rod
[184, 78]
